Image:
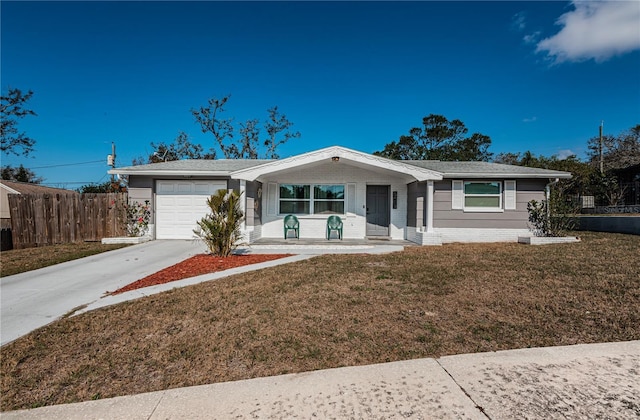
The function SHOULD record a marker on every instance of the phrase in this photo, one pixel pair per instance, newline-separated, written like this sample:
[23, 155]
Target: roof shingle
[447, 169]
[27, 188]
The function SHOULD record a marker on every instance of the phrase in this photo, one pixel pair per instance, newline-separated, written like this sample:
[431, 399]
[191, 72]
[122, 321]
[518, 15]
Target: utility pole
[111, 161]
[601, 150]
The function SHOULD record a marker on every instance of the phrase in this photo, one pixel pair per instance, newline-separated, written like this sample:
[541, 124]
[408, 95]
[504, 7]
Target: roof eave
[561, 175]
[165, 172]
[9, 189]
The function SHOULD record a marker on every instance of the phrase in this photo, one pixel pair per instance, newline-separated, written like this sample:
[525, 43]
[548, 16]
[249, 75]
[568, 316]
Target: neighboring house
[426, 202]
[15, 187]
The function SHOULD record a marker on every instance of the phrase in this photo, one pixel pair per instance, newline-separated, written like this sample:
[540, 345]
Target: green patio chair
[334, 223]
[291, 223]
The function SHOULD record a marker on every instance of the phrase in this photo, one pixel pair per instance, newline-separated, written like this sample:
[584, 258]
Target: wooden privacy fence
[47, 219]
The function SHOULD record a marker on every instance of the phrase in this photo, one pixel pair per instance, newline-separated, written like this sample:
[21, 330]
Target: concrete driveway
[36, 298]
[33, 299]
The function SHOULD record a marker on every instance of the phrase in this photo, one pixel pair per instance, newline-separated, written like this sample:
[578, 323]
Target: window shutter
[510, 195]
[272, 198]
[351, 198]
[457, 195]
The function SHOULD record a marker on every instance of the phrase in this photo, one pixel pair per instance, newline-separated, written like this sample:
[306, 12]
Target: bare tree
[277, 127]
[210, 122]
[277, 124]
[181, 148]
[619, 151]
[12, 108]
[249, 133]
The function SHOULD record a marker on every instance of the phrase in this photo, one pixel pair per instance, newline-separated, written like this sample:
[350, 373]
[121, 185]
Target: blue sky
[537, 76]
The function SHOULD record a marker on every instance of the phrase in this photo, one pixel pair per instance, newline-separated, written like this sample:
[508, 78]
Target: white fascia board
[420, 174]
[462, 175]
[168, 173]
[9, 189]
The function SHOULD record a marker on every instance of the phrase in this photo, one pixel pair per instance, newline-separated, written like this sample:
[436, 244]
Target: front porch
[367, 192]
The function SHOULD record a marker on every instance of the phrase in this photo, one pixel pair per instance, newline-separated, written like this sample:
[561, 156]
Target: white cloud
[518, 21]
[530, 119]
[565, 153]
[532, 38]
[595, 30]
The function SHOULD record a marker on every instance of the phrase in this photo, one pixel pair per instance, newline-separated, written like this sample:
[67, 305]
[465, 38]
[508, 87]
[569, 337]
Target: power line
[75, 182]
[66, 164]
[65, 183]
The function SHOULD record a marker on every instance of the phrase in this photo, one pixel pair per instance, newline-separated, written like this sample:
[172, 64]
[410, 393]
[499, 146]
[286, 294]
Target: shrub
[551, 217]
[220, 229]
[138, 217]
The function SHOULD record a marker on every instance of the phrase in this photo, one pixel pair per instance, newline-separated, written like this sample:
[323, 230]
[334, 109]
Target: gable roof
[15, 187]
[338, 153]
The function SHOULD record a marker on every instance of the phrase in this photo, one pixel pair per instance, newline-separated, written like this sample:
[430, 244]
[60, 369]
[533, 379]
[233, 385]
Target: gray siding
[445, 217]
[141, 189]
[140, 182]
[147, 181]
[254, 203]
[234, 184]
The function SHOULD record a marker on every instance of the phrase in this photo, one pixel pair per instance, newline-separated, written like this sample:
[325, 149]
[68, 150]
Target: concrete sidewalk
[581, 381]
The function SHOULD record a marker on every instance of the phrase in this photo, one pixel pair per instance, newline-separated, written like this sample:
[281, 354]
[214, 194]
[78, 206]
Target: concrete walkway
[579, 382]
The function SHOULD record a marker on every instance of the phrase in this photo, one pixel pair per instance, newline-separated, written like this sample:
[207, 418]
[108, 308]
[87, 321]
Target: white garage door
[180, 204]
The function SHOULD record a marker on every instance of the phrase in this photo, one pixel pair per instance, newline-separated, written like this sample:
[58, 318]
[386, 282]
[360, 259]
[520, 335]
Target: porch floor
[324, 246]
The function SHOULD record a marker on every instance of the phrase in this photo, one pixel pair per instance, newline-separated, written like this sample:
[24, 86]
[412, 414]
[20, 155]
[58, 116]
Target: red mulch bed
[196, 266]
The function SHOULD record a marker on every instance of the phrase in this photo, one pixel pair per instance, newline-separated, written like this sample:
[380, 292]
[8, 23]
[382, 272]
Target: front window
[297, 199]
[328, 199]
[483, 195]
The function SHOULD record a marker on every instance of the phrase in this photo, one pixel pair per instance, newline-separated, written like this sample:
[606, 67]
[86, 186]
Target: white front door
[180, 205]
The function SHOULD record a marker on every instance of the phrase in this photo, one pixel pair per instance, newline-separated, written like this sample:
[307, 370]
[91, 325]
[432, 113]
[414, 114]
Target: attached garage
[180, 204]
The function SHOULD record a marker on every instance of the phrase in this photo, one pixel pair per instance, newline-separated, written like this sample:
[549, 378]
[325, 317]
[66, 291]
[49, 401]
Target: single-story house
[426, 202]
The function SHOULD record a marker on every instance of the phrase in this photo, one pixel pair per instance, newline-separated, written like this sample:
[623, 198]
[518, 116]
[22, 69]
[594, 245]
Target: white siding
[450, 235]
[355, 180]
[351, 198]
[272, 196]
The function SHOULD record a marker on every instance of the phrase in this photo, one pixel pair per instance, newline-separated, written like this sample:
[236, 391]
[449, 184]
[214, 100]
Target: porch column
[243, 203]
[429, 206]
